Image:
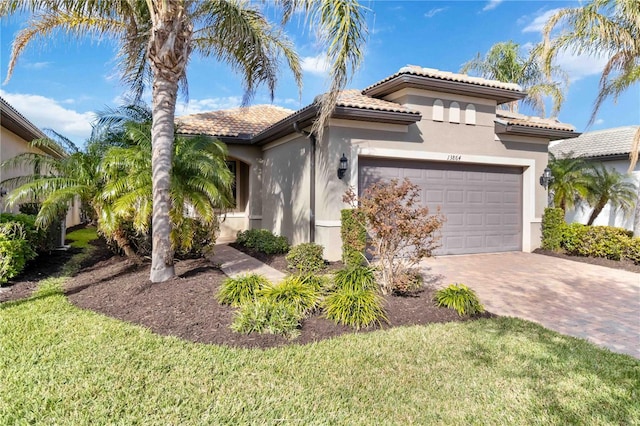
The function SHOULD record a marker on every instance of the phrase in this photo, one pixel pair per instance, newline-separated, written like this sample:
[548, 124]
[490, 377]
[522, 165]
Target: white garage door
[482, 204]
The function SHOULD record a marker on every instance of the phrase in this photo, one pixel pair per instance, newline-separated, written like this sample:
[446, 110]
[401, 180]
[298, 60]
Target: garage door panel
[482, 204]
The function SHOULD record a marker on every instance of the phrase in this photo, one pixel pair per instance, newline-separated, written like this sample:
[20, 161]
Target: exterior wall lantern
[546, 180]
[342, 167]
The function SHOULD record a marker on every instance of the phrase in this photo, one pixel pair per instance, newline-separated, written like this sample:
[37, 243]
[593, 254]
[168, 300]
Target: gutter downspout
[312, 179]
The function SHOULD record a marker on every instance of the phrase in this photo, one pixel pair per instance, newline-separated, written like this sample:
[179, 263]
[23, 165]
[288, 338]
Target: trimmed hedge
[263, 240]
[354, 237]
[553, 226]
[15, 250]
[38, 238]
[306, 259]
[596, 241]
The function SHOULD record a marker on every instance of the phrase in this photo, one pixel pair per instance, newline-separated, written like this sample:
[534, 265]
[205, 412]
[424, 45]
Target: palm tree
[609, 186]
[609, 28]
[156, 40]
[503, 62]
[200, 183]
[570, 182]
[54, 182]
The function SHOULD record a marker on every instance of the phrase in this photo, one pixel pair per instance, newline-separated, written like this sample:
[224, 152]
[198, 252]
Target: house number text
[454, 157]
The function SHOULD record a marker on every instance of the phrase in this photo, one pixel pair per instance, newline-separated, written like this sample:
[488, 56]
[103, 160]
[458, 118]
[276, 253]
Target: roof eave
[388, 117]
[540, 132]
[16, 123]
[430, 83]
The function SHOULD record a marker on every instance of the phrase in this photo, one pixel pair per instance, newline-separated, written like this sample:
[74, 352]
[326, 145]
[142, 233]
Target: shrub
[355, 278]
[267, 316]
[553, 226]
[401, 232]
[461, 298]
[294, 292]
[191, 238]
[15, 250]
[263, 240]
[306, 259]
[354, 236]
[240, 290]
[632, 250]
[37, 237]
[595, 241]
[359, 308]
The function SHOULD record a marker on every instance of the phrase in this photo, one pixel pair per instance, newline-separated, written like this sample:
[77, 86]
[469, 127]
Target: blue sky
[61, 84]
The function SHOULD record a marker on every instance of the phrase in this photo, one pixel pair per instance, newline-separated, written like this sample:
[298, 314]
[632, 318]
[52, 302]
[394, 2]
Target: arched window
[454, 112]
[470, 115]
[438, 110]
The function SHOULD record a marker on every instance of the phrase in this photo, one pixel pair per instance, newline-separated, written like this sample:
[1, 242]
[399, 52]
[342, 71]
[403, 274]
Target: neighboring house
[15, 134]
[610, 147]
[478, 164]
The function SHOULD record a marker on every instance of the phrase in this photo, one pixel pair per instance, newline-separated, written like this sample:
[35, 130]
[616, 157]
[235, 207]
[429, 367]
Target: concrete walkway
[592, 302]
[234, 263]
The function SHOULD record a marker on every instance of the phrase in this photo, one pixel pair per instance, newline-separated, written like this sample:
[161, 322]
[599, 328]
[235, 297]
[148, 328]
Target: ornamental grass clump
[461, 298]
[354, 308]
[240, 290]
[264, 315]
[294, 292]
[355, 278]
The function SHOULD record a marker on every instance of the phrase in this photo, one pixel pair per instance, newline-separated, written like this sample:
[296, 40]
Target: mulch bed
[279, 261]
[624, 264]
[185, 307]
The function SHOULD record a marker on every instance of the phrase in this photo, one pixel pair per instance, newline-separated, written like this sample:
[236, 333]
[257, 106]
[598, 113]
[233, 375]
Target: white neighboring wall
[607, 217]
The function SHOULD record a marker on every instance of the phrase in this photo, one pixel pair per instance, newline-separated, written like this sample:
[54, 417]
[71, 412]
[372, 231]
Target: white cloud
[539, 21]
[598, 122]
[196, 106]
[47, 113]
[492, 4]
[36, 65]
[433, 12]
[315, 64]
[579, 66]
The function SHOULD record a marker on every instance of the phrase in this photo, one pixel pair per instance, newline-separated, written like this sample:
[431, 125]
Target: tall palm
[503, 62]
[609, 186]
[609, 28]
[54, 182]
[200, 183]
[156, 40]
[570, 182]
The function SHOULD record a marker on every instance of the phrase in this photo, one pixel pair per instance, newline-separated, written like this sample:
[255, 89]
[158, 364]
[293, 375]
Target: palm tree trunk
[636, 217]
[596, 211]
[164, 103]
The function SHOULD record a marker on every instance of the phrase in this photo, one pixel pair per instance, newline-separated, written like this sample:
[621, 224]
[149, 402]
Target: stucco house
[442, 130]
[15, 134]
[610, 147]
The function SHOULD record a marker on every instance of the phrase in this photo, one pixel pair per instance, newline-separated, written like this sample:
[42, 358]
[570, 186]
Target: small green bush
[14, 254]
[595, 241]
[354, 308]
[553, 225]
[632, 250]
[37, 237]
[264, 315]
[241, 290]
[354, 237]
[461, 298]
[295, 292]
[306, 259]
[355, 278]
[263, 240]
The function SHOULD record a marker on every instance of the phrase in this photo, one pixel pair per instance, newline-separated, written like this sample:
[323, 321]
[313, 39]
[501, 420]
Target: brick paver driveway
[592, 302]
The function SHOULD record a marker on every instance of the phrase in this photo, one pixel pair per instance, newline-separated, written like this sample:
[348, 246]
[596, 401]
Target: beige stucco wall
[285, 188]
[12, 145]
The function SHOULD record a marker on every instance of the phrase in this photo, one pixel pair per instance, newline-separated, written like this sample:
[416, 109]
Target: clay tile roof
[450, 76]
[355, 99]
[512, 118]
[599, 143]
[232, 122]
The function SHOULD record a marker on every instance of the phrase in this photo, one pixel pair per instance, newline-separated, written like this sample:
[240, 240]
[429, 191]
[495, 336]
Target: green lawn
[63, 365]
[80, 238]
